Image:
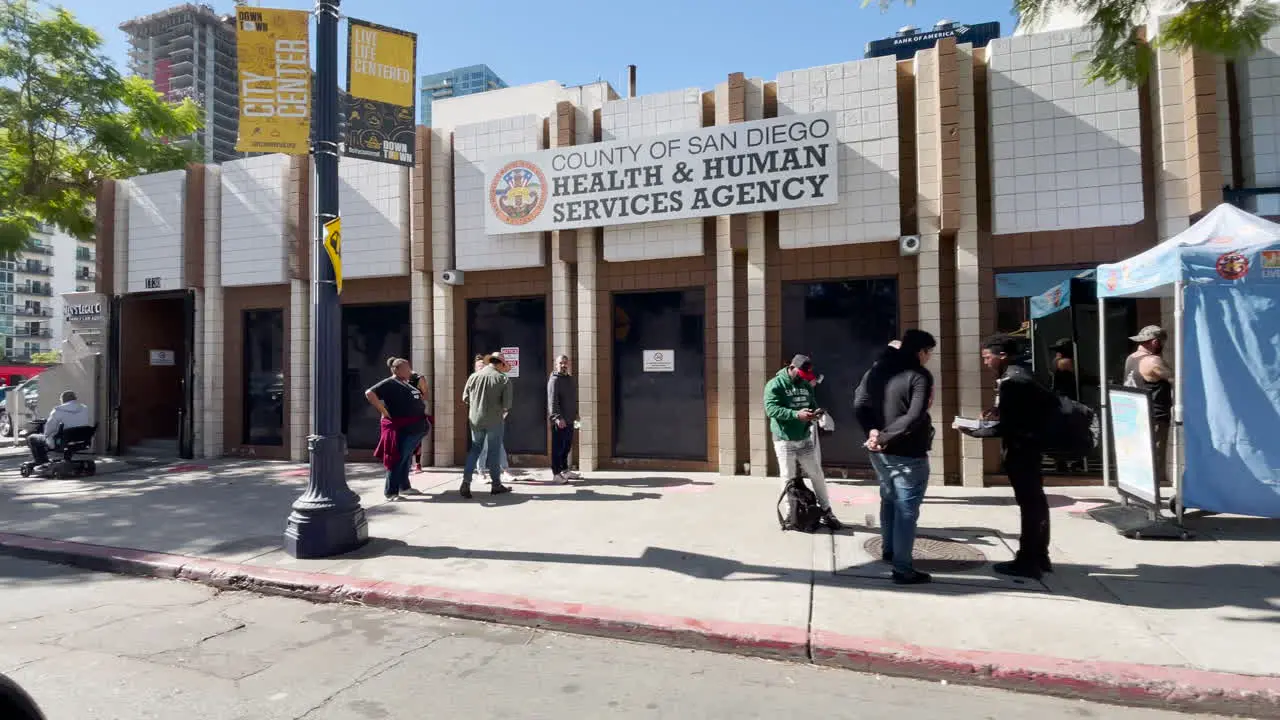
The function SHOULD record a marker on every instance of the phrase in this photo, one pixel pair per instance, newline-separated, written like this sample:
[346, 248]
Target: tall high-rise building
[190, 51]
[32, 281]
[458, 81]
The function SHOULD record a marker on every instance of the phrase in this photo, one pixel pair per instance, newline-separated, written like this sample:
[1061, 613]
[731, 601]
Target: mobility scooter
[72, 458]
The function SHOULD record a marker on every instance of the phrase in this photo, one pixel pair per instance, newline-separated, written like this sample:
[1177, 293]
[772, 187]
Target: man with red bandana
[792, 407]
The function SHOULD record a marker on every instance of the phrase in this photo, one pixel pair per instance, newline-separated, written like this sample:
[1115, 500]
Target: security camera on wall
[451, 277]
[909, 244]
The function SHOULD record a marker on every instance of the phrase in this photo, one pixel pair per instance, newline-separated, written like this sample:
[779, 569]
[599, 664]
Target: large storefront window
[844, 325]
[373, 333]
[263, 377]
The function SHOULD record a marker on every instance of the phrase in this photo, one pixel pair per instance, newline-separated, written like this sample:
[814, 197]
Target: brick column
[589, 450]
[730, 107]
[1200, 110]
[970, 397]
[444, 394]
[420, 267]
[300, 227]
[212, 335]
[929, 148]
[564, 247]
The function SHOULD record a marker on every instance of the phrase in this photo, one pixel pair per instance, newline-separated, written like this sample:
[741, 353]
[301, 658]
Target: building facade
[189, 51]
[1007, 166]
[456, 83]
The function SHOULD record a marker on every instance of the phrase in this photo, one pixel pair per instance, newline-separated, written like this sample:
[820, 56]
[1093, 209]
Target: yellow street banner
[381, 89]
[333, 246]
[274, 50]
[381, 63]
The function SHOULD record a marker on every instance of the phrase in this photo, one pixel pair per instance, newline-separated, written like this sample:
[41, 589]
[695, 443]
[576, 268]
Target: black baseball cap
[804, 367]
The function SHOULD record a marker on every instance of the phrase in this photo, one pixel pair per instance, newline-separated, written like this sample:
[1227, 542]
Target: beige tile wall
[443, 391]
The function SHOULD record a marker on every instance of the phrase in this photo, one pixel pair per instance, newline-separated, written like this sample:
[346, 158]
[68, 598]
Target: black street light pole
[327, 520]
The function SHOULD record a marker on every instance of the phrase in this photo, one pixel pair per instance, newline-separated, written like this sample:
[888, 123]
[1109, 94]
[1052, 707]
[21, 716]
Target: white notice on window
[659, 360]
[512, 356]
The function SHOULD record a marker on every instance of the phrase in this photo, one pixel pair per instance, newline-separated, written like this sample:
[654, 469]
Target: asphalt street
[90, 646]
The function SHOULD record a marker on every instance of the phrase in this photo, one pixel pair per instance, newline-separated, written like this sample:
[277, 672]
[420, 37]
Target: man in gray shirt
[488, 398]
[562, 407]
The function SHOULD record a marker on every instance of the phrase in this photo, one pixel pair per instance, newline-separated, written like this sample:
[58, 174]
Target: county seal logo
[1232, 266]
[518, 193]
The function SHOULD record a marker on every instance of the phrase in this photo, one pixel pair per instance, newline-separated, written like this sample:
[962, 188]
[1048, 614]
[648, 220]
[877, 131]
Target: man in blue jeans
[488, 398]
[892, 406]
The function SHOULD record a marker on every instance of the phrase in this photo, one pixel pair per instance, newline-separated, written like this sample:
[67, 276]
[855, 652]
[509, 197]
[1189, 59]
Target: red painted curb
[1124, 683]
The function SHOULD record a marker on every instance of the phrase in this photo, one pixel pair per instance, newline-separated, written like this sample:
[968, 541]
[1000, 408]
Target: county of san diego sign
[774, 164]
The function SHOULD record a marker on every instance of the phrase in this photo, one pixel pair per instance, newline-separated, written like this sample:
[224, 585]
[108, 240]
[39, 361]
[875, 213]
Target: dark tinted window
[263, 377]
[660, 413]
[373, 333]
[516, 323]
[844, 326]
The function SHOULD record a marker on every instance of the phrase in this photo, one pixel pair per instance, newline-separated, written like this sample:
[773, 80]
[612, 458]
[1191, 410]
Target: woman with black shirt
[404, 423]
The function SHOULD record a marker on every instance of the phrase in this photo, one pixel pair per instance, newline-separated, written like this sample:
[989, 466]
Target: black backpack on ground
[1072, 428]
[803, 513]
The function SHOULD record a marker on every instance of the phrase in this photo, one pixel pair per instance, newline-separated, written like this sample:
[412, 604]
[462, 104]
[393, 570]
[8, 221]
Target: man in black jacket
[1022, 408]
[892, 406]
[562, 407]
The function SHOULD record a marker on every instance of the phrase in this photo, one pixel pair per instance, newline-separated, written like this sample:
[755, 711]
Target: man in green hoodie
[792, 407]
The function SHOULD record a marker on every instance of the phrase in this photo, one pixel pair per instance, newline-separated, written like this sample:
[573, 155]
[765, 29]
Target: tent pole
[1102, 395]
[1175, 433]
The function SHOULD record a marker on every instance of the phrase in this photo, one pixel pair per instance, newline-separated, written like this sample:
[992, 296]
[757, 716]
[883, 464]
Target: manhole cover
[935, 555]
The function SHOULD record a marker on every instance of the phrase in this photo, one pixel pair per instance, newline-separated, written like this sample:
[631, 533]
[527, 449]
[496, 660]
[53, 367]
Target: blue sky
[675, 43]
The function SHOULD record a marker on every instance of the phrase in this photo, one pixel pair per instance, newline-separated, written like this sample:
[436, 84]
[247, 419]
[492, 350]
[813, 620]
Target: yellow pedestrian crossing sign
[333, 246]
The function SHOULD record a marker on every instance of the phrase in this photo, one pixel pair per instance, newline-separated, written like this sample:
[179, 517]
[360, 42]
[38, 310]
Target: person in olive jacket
[792, 407]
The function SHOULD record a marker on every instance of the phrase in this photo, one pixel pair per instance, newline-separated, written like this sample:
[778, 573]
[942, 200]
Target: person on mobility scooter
[69, 430]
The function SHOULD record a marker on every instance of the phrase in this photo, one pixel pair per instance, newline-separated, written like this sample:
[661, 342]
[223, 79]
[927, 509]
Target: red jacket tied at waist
[388, 450]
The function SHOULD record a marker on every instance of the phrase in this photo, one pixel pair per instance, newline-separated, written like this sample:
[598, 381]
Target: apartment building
[32, 282]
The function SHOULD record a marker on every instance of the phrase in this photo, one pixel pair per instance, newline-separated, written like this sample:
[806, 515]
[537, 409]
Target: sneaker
[393, 498]
[499, 489]
[915, 577]
[508, 477]
[1017, 569]
[410, 491]
[829, 519]
[560, 478]
[571, 475]
[465, 490]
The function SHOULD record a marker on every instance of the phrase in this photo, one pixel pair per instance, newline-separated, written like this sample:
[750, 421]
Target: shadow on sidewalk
[482, 497]
[1149, 586]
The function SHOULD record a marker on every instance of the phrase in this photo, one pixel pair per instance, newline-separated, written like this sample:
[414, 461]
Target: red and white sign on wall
[512, 356]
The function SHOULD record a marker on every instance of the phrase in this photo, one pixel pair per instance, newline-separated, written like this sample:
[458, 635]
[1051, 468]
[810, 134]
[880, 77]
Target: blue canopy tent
[1224, 276]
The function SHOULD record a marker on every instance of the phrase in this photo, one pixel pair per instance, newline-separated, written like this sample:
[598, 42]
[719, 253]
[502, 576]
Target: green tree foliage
[1223, 27]
[52, 357]
[69, 119]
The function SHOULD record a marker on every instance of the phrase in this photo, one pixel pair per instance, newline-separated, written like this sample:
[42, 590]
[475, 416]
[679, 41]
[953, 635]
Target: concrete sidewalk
[698, 560]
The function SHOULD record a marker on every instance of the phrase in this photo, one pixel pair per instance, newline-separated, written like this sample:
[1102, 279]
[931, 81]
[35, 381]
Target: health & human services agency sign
[774, 164]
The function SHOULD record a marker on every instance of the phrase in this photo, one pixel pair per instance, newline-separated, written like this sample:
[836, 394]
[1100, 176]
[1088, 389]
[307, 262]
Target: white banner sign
[659, 361]
[774, 164]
